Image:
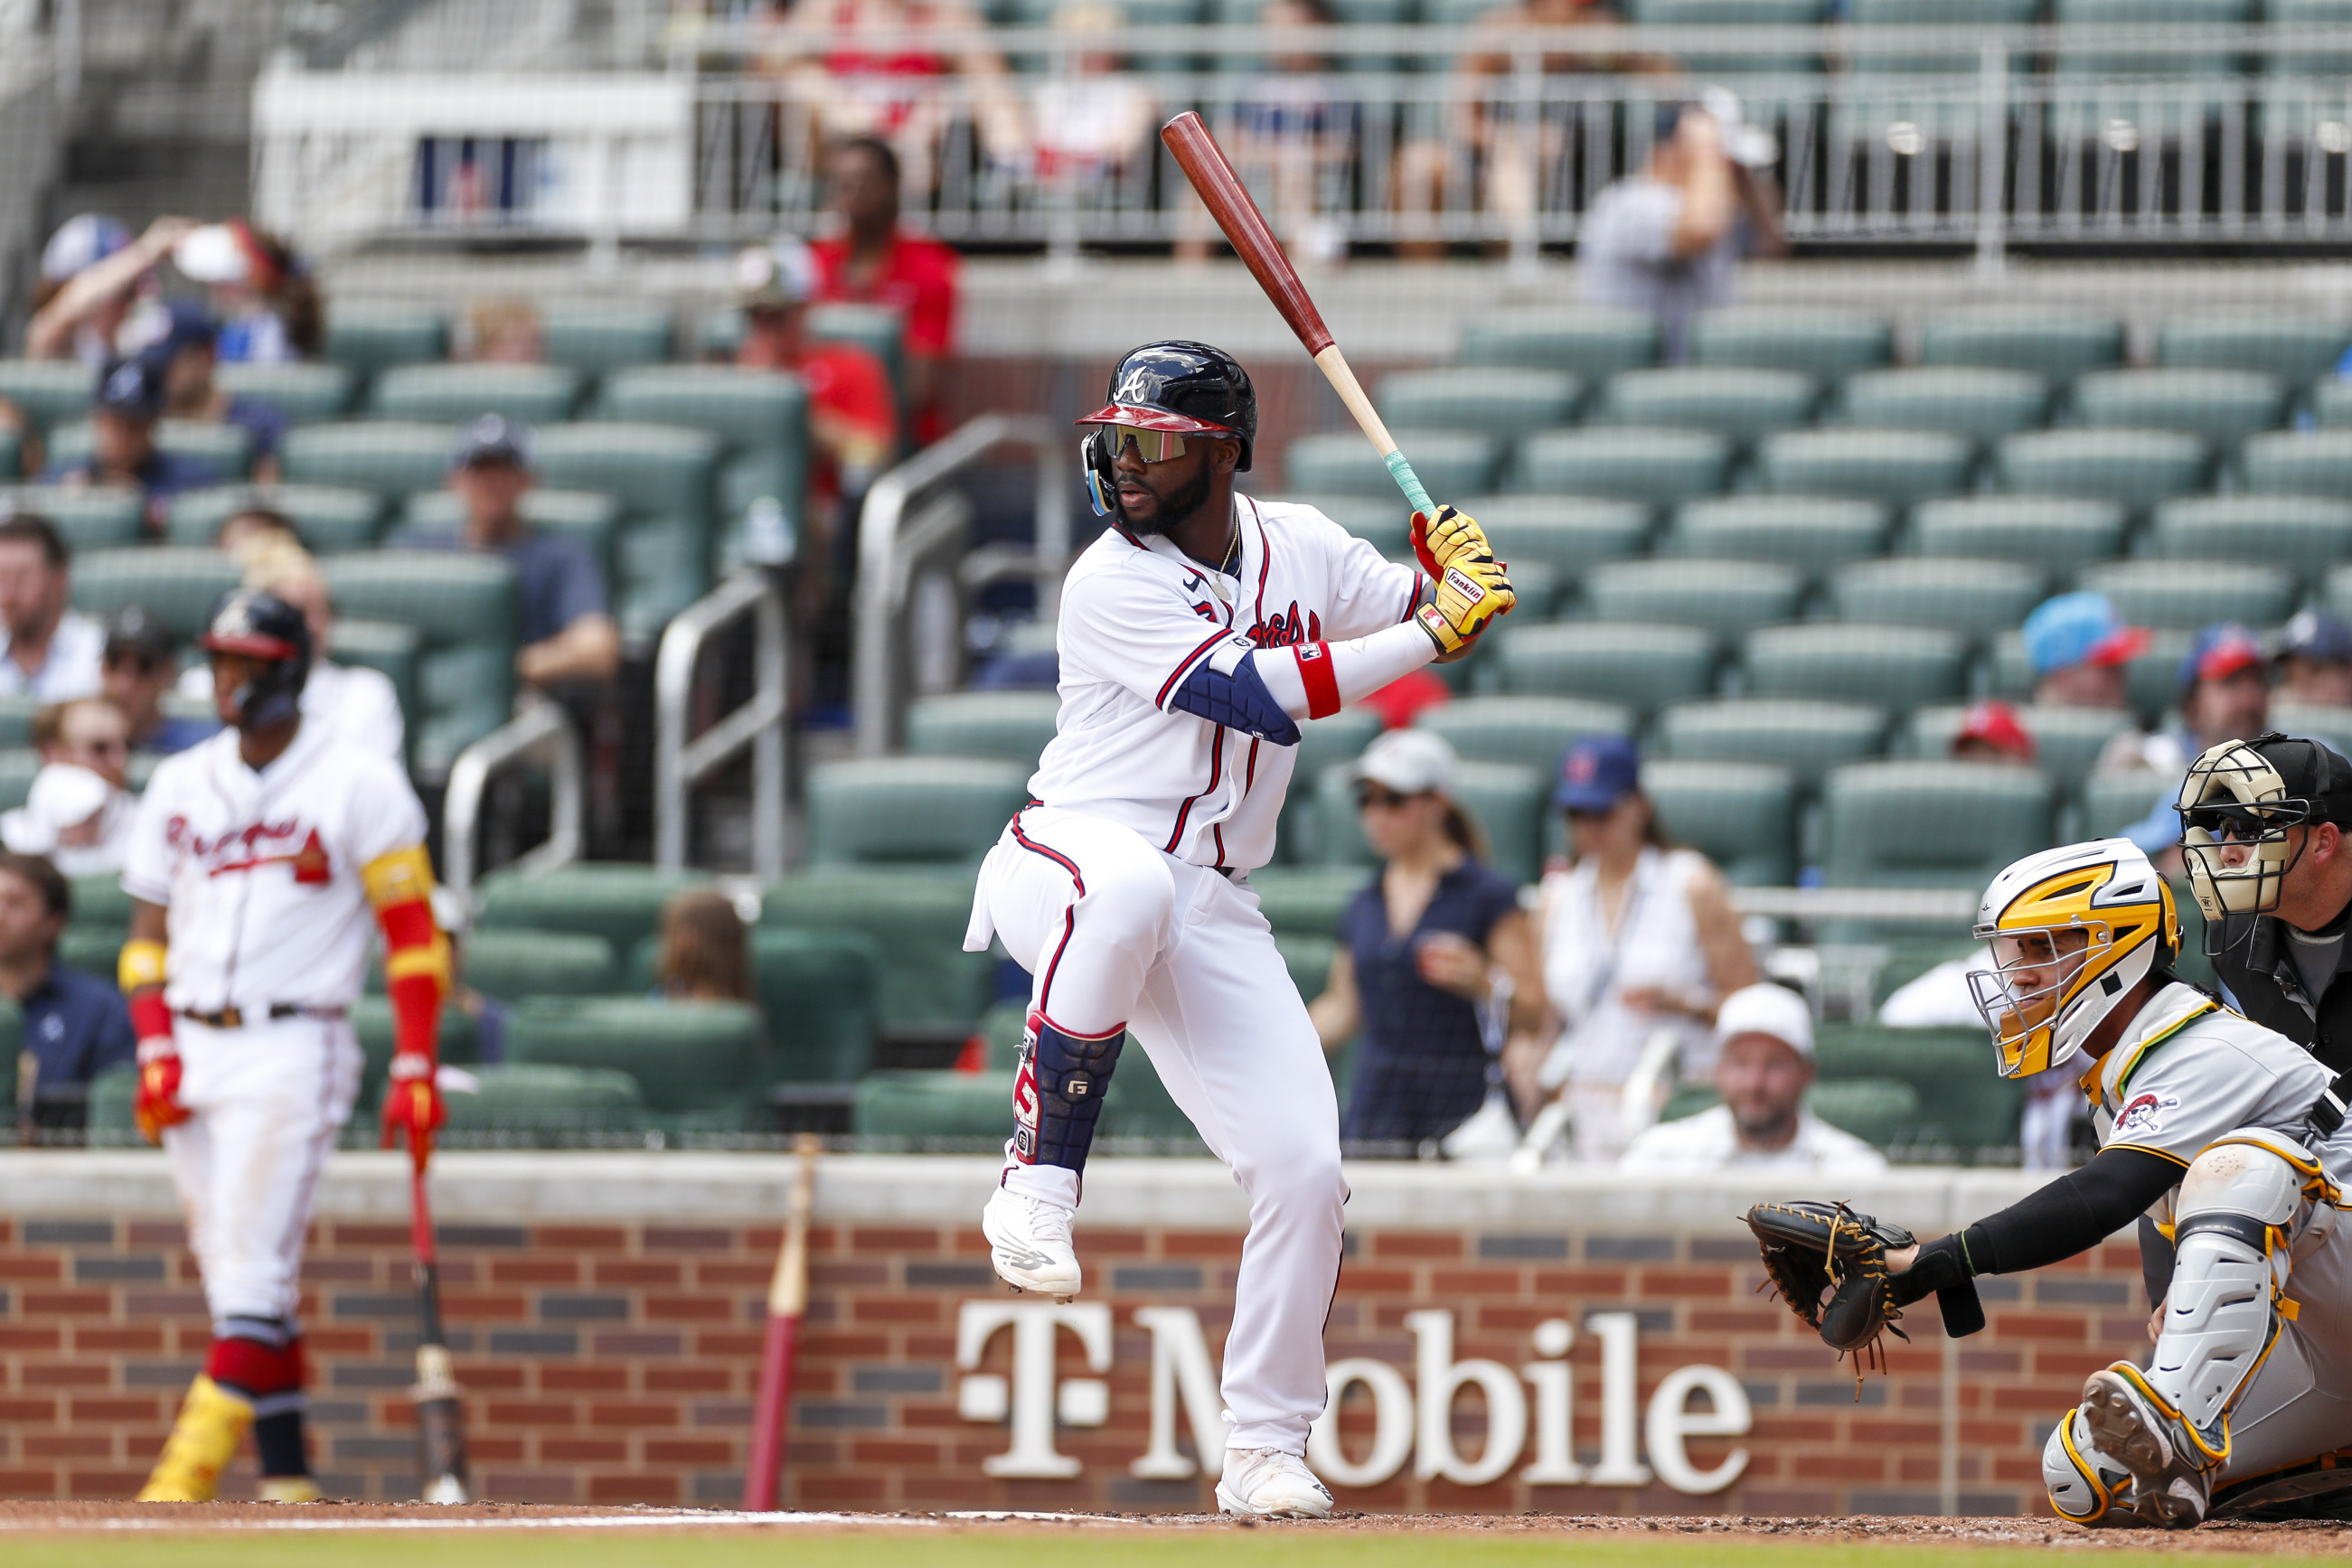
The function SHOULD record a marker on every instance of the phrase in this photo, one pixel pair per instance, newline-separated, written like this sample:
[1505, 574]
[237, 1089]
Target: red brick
[686, 1310]
[580, 1238]
[658, 1413]
[530, 1413]
[32, 1266]
[1415, 1244]
[687, 1380]
[69, 1375]
[118, 1408]
[609, 1272]
[626, 1488]
[1187, 1244]
[555, 1378]
[23, 1411]
[583, 1450]
[898, 1310]
[146, 1340]
[31, 1336]
[353, 1235]
[1685, 1283]
[65, 1304]
[534, 1271]
[711, 1274]
[688, 1451]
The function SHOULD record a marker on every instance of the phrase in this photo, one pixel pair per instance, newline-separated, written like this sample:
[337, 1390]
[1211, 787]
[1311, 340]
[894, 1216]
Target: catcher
[2223, 1132]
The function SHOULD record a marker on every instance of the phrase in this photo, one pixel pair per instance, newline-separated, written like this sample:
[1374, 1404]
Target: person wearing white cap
[1765, 1035]
[1434, 954]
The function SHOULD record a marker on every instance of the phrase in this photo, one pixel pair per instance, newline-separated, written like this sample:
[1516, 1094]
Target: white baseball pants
[266, 1102]
[1113, 930]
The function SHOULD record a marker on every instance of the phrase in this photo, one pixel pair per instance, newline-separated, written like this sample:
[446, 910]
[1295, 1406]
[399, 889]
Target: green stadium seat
[532, 1101]
[1858, 662]
[2331, 403]
[1811, 533]
[1980, 402]
[761, 415]
[1735, 14]
[462, 608]
[1308, 959]
[598, 336]
[12, 453]
[1306, 900]
[2332, 725]
[180, 586]
[16, 770]
[1498, 400]
[2066, 741]
[1963, 1106]
[698, 1063]
[590, 517]
[1807, 738]
[390, 458]
[1825, 345]
[2296, 348]
[330, 518]
[821, 993]
[1881, 1111]
[1658, 467]
[2057, 346]
[2058, 534]
[1322, 743]
[454, 394]
[1644, 665]
[17, 730]
[1736, 401]
[1974, 598]
[2297, 462]
[1505, 799]
[1385, 522]
[2152, 680]
[375, 335]
[513, 962]
[48, 392]
[938, 810]
[2113, 801]
[2222, 406]
[1894, 466]
[1011, 726]
[461, 1041]
[1587, 342]
[304, 393]
[1930, 823]
[87, 517]
[226, 448]
[2305, 534]
[919, 1107]
[1728, 598]
[2172, 593]
[1532, 731]
[665, 480]
[1740, 815]
[1570, 534]
[1449, 462]
[2138, 63]
[916, 920]
[2338, 591]
[1987, 14]
[387, 647]
[2138, 467]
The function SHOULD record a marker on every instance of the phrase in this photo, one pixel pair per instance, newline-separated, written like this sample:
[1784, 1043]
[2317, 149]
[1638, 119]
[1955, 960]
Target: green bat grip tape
[1410, 483]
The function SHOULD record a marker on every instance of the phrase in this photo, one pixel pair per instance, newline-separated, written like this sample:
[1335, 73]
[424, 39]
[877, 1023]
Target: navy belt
[234, 1018]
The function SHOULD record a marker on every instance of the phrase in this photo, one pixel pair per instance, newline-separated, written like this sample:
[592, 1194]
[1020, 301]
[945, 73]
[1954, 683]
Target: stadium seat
[665, 480]
[330, 518]
[387, 647]
[461, 1041]
[392, 459]
[1570, 534]
[2066, 741]
[1727, 597]
[16, 770]
[2305, 534]
[1881, 1111]
[2332, 725]
[1735, 14]
[821, 993]
[938, 810]
[514, 962]
[1974, 598]
[2113, 801]
[1658, 467]
[1011, 726]
[1859, 662]
[1449, 462]
[1340, 737]
[1736, 401]
[462, 608]
[12, 453]
[2138, 467]
[698, 1063]
[1930, 823]
[1805, 737]
[2208, 62]
[303, 393]
[48, 392]
[2338, 591]
[922, 1107]
[1587, 342]
[2222, 406]
[454, 394]
[620, 902]
[1825, 345]
[1533, 731]
[374, 334]
[2056, 533]
[1811, 533]
[2297, 462]
[1962, 1106]
[179, 587]
[1306, 900]
[1495, 400]
[529, 1100]
[2191, 594]
[596, 337]
[1385, 522]
[2057, 346]
[590, 517]
[1981, 402]
[1740, 815]
[227, 448]
[1894, 466]
[16, 731]
[87, 517]
[915, 919]
[2296, 348]
[762, 415]
[1644, 665]
[1506, 801]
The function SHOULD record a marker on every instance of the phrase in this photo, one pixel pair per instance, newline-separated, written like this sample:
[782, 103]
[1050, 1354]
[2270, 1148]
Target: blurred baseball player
[254, 861]
[1195, 633]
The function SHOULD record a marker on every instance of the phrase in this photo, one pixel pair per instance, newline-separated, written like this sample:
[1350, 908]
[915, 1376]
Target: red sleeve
[852, 385]
[930, 319]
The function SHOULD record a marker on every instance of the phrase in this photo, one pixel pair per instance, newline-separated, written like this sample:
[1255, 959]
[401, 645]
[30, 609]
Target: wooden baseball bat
[440, 1417]
[787, 1302]
[1203, 162]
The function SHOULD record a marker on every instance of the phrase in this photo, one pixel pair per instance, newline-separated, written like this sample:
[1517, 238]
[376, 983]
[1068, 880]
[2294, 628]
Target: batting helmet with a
[1175, 388]
[263, 627]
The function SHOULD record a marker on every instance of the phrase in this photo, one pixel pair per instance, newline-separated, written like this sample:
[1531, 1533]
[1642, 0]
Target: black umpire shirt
[2268, 977]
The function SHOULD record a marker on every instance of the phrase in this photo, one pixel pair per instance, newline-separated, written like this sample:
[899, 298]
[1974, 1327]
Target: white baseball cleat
[1266, 1483]
[1029, 1242]
[2171, 1487]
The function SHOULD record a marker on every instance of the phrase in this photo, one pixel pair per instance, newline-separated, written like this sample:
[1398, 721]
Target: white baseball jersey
[352, 700]
[262, 871]
[1139, 616]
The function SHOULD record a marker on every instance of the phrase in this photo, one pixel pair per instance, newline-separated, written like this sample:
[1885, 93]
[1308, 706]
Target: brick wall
[615, 1362]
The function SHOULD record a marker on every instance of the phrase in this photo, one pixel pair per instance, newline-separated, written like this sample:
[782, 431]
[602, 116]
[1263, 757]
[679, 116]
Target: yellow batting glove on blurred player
[1466, 595]
[1449, 536]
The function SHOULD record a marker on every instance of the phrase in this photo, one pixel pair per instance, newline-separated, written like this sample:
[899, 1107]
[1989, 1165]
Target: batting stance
[1195, 633]
[253, 864]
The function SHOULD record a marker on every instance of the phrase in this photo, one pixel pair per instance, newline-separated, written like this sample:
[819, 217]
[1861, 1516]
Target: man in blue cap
[122, 451]
[2078, 646]
[2314, 661]
[187, 356]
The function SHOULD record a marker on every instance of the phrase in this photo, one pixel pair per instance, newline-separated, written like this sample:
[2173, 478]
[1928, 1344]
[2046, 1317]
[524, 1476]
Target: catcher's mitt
[1829, 1264]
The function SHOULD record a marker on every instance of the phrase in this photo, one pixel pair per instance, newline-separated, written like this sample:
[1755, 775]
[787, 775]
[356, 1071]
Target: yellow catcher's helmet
[2072, 930]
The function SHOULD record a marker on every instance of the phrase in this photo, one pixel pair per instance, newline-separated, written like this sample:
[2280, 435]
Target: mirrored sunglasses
[1152, 445]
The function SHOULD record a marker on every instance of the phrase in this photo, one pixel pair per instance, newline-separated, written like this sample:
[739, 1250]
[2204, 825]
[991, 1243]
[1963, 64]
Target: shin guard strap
[1059, 1092]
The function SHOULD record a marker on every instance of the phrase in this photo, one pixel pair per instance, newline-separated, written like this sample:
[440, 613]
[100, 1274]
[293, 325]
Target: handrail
[543, 730]
[761, 723]
[887, 551]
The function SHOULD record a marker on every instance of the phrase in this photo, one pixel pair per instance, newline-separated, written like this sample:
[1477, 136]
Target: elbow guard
[1237, 700]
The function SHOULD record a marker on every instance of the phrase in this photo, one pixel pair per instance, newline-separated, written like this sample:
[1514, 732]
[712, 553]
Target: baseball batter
[1195, 634]
[253, 865]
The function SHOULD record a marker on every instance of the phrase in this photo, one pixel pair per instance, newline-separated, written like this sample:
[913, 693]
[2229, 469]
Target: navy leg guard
[1059, 1092]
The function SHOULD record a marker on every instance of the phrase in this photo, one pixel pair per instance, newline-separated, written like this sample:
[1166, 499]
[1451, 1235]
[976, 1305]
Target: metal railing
[760, 725]
[912, 535]
[1954, 907]
[540, 732]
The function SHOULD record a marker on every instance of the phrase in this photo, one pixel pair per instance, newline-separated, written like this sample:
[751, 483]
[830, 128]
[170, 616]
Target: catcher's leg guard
[1058, 1094]
[211, 1423]
[2085, 1484]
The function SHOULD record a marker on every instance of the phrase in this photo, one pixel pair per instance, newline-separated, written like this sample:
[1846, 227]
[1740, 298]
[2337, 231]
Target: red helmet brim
[1155, 419]
[253, 647]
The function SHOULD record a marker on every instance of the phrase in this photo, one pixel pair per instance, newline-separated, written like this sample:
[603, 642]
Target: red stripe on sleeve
[1321, 682]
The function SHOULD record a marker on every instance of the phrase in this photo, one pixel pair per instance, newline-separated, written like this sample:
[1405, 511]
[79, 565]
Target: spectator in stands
[705, 951]
[1764, 1038]
[1434, 954]
[2313, 663]
[99, 274]
[187, 356]
[2078, 645]
[873, 261]
[1085, 124]
[852, 414]
[80, 808]
[75, 1025]
[1667, 239]
[503, 331]
[260, 289]
[356, 703]
[1295, 133]
[124, 454]
[138, 667]
[567, 634]
[1991, 732]
[2224, 694]
[50, 652]
[251, 523]
[1639, 944]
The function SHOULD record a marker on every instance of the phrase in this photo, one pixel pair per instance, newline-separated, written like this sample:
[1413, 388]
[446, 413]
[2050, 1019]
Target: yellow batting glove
[1449, 536]
[1468, 594]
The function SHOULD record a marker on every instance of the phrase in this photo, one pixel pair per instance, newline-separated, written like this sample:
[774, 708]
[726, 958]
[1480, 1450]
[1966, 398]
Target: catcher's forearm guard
[1829, 1264]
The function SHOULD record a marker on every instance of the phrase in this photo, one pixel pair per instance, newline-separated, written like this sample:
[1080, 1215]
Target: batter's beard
[1171, 509]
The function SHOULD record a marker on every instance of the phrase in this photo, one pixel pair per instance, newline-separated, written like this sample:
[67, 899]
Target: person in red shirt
[853, 415]
[874, 262]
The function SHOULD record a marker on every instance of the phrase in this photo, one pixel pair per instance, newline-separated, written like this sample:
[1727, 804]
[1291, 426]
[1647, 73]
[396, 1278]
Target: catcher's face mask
[2072, 931]
[2237, 835]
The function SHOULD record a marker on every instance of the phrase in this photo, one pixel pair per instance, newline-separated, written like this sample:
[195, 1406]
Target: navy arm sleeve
[1238, 701]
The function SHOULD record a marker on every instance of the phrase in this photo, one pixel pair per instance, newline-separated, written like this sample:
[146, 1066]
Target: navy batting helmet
[1177, 388]
[265, 627]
